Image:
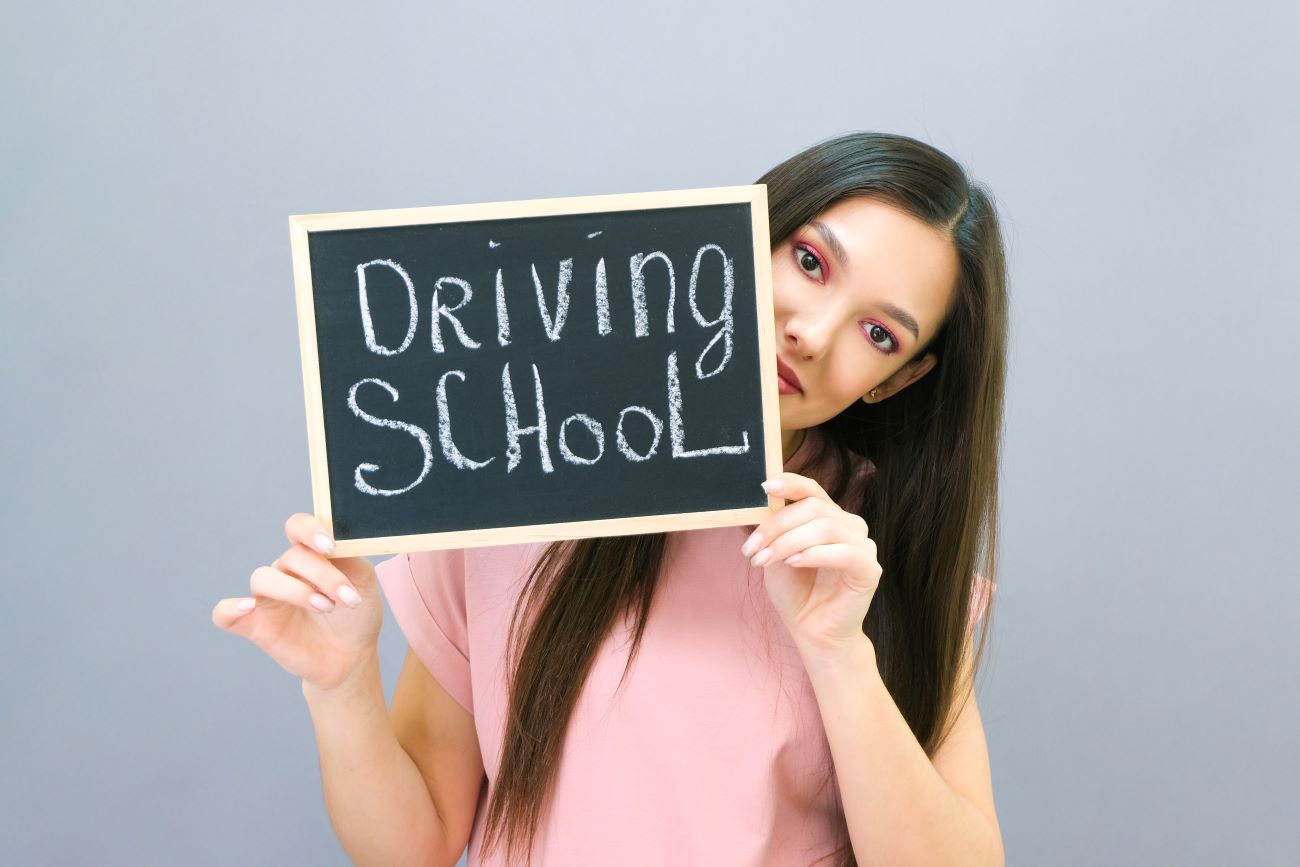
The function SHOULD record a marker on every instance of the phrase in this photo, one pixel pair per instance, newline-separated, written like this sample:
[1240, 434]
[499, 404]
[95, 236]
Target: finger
[275, 584]
[310, 531]
[228, 613]
[792, 486]
[323, 574]
[831, 530]
[785, 519]
[845, 558]
[818, 531]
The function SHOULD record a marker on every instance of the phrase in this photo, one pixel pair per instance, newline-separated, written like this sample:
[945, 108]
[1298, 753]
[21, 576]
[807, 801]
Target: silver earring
[873, 392]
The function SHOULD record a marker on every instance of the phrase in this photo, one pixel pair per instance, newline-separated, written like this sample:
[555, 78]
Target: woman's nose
[808, 335]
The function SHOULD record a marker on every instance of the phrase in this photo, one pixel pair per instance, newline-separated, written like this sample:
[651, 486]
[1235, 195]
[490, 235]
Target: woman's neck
[790, 442]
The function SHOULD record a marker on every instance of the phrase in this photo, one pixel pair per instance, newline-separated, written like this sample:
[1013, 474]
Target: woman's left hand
[819, 565]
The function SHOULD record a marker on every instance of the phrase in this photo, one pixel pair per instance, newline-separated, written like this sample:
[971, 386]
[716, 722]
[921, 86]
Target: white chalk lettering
[503, 317]
[725, 316]
[627, 450]
[676, 430]
[420, 434]
[596, 431]
[602, 300]
[554, 326]
[449, 450]
[703, 289]
[363, 297]
[441, 310]
[554, 316]
[637, 267]
[514, 453]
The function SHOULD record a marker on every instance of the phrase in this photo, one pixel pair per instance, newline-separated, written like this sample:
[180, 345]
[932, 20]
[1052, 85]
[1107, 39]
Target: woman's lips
[787, 382]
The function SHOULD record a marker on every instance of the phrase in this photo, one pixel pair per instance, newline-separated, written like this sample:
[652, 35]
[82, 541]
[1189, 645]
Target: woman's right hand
[319, 618]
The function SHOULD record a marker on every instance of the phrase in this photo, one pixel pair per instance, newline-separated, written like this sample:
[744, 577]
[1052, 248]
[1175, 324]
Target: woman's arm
[821, 572]
[901, 808]
[377, 800]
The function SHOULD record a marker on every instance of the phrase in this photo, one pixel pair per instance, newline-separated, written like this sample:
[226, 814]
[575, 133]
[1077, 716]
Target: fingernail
[773, 485]
[245, 604]
[793, 559]
[348, 595]
[762, 557]
[751, 545]
[321, 603]
[324, 543]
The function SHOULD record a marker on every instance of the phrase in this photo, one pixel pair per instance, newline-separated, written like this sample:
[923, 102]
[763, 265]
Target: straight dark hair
[930, 505]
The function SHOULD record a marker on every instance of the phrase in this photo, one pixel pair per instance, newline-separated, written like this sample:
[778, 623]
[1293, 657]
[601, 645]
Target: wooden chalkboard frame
[301, 226]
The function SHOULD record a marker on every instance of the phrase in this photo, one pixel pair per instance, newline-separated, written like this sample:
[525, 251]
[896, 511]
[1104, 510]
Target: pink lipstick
[787, 383]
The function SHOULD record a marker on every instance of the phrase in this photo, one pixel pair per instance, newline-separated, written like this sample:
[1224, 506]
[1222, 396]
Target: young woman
[791, 693]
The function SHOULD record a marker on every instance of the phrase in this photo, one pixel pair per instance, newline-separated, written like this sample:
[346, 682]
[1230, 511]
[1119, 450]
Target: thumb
[235, 615]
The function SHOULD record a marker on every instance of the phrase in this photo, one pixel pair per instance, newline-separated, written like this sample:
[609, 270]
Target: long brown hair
[930, 504]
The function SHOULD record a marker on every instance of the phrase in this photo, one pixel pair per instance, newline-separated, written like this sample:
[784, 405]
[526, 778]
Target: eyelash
[801, 248]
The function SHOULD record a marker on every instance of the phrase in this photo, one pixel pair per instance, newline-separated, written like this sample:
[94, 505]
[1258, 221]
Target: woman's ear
[902, 378]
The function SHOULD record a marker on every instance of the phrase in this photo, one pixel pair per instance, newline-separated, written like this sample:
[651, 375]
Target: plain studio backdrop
[1141, 696]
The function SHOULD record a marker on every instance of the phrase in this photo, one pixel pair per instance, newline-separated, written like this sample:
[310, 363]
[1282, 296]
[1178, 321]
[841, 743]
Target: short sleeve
[426, 593]
[982, 590]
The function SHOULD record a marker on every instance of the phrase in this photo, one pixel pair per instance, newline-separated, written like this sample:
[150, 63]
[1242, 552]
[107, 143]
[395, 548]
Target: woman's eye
[808, 261]
[878, 333]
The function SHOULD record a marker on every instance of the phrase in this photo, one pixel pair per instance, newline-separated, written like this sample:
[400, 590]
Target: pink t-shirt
[713, 751]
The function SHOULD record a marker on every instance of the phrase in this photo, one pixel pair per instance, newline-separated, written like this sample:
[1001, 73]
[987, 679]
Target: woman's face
[856, 292]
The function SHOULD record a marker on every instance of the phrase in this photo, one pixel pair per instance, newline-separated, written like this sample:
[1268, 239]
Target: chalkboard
[535, 370]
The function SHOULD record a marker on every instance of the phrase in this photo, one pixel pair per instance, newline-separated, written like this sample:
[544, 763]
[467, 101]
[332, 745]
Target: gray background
[1141, 698]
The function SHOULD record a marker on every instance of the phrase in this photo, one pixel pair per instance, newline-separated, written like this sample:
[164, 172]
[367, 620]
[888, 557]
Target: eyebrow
[908, 320]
